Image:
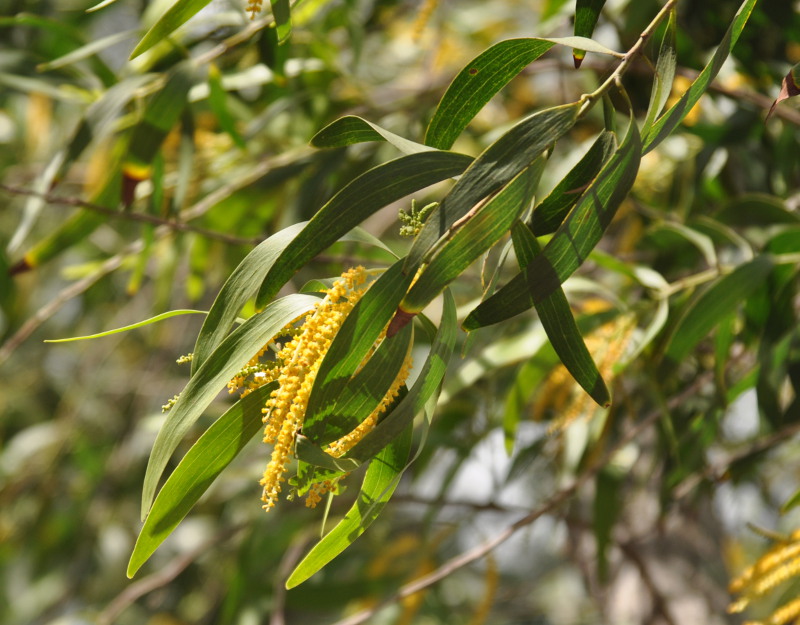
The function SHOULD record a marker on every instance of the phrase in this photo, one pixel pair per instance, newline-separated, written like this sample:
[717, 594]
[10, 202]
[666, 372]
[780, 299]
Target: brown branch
[551, 504]
[180, 226]
[162, 577]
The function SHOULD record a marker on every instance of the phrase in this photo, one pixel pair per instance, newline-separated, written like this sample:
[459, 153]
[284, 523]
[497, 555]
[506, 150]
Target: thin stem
[588, 100]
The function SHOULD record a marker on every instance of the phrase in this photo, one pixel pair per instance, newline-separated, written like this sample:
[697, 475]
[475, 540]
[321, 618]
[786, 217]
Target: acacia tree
[624, 410]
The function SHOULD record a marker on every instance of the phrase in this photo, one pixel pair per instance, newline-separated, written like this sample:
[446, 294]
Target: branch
[51, 199]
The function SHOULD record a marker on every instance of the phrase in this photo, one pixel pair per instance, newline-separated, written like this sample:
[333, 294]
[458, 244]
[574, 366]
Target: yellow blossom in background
[778, 565]
[562, 396]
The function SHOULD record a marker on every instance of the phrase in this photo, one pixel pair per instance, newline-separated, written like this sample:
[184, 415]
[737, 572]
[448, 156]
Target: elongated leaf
[493, 168]
[350, 346]
[177, 15]
[584, 44]
[665, 72]
[550, 213]
[715, 303]
[587, 12]
[231, 355]
[362, 394]
[352, 129]
[281, 13]
[572, 242]
[607, 508]
[84, 52]
[218, 100]
[315, 456]
[425, 388]
[665, 124]
[478, 234]
[201, 465]
[701, 241]
[380, 481]
[476, 84]
[361, 198]
[133, 326]
[559, 324]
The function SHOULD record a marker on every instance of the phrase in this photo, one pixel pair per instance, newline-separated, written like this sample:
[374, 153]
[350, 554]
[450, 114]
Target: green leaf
[86, 51]
[351, 129]
[212, 376]
[476, 235]
[198, 469]
[559, 324]
[166, 315]
[365, 195]
[665, 72]
[281, 13]
[361, 395]
[550, 213]
[584, 44]
[608, 505]
[380, 482]
[426, 386]
[218, 100]
[714, 304]
[493, 168]
[350, 346]
[315, 456]
[587, 12]
[572, 242]
[665, 124]
[177, 15]
[476, 84]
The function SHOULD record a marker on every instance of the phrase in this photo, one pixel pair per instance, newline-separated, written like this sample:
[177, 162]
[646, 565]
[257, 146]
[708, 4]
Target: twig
[554, 502]
[162, 577]
[66, 294]
[50, 198]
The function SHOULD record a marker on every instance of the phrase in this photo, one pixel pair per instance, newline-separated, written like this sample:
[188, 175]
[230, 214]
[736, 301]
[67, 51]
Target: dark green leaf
[587, 12]
[572, 242]
[361, 198]
[559, 324]
[493, 168]
[283, 19]
[714, 304]
[550, 213]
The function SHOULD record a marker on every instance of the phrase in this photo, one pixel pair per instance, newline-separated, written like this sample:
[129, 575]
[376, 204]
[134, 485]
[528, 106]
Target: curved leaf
[212, 376]
[479, 233]
[361, 198]
[133, 326]
[426, 386]
[477, 83]
[201, 465]
[665, 72]
[177, 15]
[352, 129]
[714, 304]
[550, 212]
[587, 12]
[350, 346]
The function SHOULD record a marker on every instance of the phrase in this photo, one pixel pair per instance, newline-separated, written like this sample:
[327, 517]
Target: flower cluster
[294, 367]
[779, 564]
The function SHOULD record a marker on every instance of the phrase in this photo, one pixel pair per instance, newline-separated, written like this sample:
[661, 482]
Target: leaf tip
[577, 58]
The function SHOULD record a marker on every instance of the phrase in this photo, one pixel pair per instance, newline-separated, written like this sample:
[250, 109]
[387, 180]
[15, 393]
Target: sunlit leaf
[175, 16]
[212, 376]
[133, 326]
[666, 63]
[351, 129]
[198, 469]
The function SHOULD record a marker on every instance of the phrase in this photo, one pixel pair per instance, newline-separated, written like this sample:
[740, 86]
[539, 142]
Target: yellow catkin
[776, 566]
[301, 358]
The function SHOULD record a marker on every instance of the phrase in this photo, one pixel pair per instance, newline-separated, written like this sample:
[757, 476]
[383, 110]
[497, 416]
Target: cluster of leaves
[626, 213]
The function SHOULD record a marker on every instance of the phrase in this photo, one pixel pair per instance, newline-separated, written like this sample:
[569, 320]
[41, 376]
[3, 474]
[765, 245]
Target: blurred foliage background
[709, 444]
